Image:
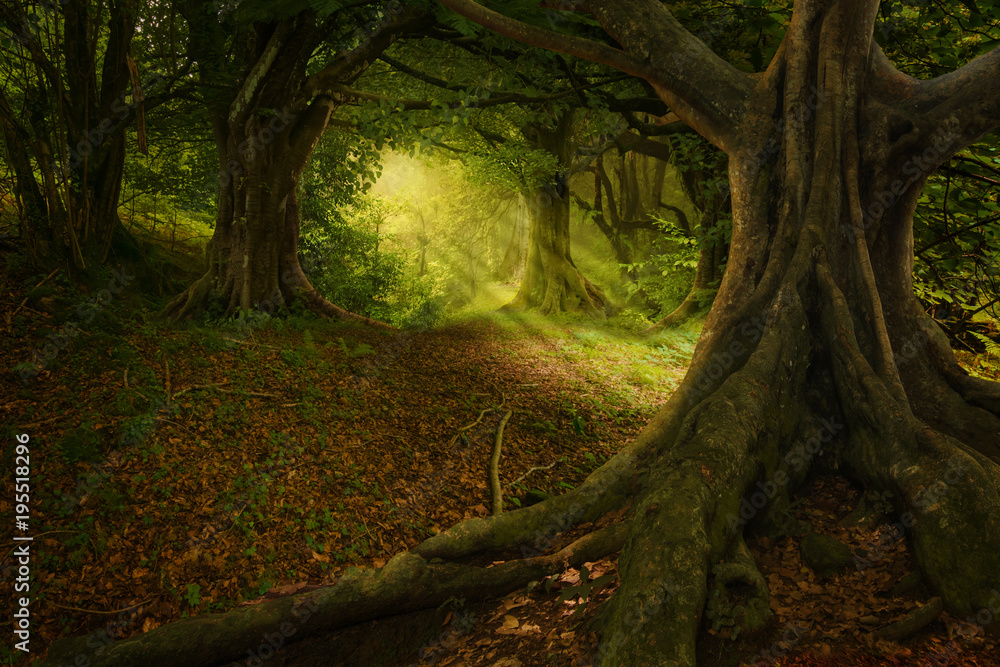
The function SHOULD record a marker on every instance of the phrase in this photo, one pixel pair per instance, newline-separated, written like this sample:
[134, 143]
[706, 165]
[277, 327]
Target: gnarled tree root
[406, 583]
[296, 286]
[726, 452]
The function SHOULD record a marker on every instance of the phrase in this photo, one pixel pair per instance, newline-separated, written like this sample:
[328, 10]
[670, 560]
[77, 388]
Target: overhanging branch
[546, 39]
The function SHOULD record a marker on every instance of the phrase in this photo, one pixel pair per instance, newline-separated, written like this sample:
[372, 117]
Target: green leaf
[193, 595]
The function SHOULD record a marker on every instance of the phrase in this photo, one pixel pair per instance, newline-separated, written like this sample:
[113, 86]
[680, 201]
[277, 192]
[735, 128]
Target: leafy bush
[362, 269]
[667, 274]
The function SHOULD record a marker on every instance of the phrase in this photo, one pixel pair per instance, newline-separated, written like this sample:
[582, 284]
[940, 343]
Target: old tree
[815, 336]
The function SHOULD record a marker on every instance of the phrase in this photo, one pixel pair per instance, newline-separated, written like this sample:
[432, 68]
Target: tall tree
[268, 111]
[816, 318]
[552, 282]
[63, 110]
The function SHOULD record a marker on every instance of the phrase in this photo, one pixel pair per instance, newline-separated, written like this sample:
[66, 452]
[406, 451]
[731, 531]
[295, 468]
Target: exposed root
[913, 622]
[606, 489]
[296, 286]
[939, 484]
[190, 300]
[406, 583]
[738, 578]
[684, 522]
[299, 285]
[681, 314]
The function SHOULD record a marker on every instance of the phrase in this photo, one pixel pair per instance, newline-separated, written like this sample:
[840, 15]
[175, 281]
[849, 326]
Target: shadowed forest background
[290, 288]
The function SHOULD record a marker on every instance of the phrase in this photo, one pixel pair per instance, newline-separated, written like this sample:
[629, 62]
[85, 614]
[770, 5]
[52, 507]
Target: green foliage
[348, 264]
[991, 346]
[666, 274]
[80, 444]
[193, 595]
[957, 242]
[361, 350]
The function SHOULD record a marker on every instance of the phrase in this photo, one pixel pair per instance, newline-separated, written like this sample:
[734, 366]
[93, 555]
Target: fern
[992, 347]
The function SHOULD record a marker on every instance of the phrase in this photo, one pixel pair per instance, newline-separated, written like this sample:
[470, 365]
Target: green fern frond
[992, 347]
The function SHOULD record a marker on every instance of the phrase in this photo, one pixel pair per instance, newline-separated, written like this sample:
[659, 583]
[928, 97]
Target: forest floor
[186, 469]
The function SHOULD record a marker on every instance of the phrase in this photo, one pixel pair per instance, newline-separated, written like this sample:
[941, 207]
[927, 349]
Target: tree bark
[265, 133]
[68, 151]
[552, 283]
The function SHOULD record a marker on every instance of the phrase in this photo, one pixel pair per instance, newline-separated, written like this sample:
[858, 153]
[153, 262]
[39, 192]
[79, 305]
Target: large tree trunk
[816, 336]
[252, 256]
[814, 341]
[551, 280]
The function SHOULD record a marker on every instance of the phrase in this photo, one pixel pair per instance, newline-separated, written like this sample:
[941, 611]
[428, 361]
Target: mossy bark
[265, 133]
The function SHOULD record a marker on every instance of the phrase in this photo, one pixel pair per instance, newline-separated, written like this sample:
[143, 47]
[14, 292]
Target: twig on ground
[100, 611]
[166, 368]
[217, 386]
[495, 467]
[465, 428]
[199, 386]
[43, 421]
[536, 469]
[54, 272]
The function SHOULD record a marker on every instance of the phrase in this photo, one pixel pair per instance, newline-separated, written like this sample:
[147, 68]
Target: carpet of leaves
[181, 470]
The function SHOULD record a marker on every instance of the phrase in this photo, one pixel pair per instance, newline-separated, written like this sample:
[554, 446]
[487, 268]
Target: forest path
[289, 450]
[185, 469]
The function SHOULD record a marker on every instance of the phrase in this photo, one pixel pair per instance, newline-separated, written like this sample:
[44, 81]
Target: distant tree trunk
[551, 281]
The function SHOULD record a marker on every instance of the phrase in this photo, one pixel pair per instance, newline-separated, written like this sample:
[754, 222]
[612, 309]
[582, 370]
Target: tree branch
[546, 39]
[705, 91]
[968, 94]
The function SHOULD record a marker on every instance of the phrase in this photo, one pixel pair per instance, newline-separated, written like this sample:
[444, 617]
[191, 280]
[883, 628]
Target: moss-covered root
[948, 501]
[739, 595]
[531, 529]
[684, 522]
[406, 583]
[189, 300]
[946, 492]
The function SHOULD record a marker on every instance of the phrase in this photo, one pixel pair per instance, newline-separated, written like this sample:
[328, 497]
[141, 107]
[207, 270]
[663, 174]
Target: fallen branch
[911, 623]
[54, 272]
[495, 467]
[199, 386]
[101, 611]
[406, 583]
[166, 366]
[43, 421]
[224, 391]
[465, 428]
